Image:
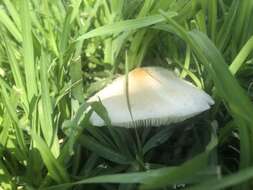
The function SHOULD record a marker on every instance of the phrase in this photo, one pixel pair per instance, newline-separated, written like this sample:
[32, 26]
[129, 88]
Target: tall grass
[55, 54]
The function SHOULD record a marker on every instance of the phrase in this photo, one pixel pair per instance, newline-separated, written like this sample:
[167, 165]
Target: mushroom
[156, 97]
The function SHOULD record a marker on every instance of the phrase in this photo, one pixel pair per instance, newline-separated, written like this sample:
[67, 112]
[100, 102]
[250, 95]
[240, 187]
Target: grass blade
[28, 51]
[126, 25]
[7, 22]
[138, 177]
[241, 56]
[16, 72]
[55, 169]
[48, 129]
[225, 182]
[13, 12]
[103, 151]
[14, 117]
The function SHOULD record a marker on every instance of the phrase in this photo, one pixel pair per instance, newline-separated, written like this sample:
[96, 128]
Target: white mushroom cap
[156, 97]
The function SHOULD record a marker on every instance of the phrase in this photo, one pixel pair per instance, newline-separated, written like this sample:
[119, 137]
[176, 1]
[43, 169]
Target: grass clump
[56, 54]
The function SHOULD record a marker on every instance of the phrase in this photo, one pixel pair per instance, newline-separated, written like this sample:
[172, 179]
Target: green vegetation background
[54, 54]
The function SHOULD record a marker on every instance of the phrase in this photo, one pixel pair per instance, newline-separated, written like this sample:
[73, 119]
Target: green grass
[55, 54]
